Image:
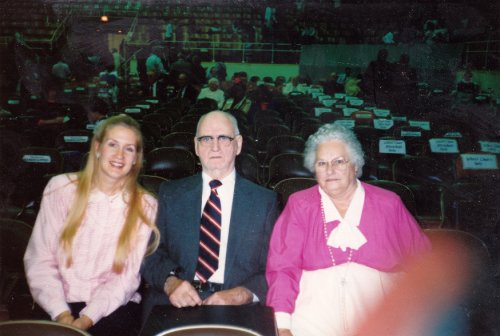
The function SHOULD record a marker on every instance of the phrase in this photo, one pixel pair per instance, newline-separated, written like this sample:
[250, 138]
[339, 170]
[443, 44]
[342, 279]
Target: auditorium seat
[427, 178]
[282, 144]
[403, 192]
[286, 187]
[185, 126]
[151, 183]
[14, 237]
[208, 330]
[36, 164]
[162, 120]
[247, 166]
[183, 140]
[266, 132]
[39, 328]
[284, 166]
[170, 163]
[473, 207]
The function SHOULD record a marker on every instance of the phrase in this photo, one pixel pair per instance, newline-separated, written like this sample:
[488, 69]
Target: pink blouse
[90, 278]
[298, 241]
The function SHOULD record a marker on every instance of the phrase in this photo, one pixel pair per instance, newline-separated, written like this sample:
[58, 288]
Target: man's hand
[83, 322]
[181, 293]
[65, 317]
[233, 296]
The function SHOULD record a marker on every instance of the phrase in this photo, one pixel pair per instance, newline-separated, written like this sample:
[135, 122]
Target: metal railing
[481, 53]
[244, 52]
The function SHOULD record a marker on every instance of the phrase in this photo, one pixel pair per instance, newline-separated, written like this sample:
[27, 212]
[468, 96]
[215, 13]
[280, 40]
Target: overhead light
[104, 18]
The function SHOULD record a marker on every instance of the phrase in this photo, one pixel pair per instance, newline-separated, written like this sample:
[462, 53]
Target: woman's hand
[284, 332]
[65, 317]
[83, 322]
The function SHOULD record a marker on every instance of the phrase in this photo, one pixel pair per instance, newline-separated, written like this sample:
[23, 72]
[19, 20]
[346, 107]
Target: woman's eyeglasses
[338, 164]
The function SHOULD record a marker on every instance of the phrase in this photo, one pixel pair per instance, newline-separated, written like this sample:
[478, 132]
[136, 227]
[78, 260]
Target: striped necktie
[210, 226]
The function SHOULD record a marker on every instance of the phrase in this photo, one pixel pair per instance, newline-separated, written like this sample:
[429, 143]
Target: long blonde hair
[86, 181]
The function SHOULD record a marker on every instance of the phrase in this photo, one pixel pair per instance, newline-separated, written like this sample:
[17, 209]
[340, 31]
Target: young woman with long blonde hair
[91, 234]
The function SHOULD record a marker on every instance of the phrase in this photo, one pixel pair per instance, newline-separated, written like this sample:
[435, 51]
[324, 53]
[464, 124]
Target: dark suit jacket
[252, 219]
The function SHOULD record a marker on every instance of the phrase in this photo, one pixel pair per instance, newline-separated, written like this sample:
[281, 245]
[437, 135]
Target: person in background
[183, 271]
[155, 69]
[293, 86]
[117, 61]
[352, 85]
[184, 89]
[237, 99]
[93, 229]
[97, 112]
[338, 246]
[213, 92]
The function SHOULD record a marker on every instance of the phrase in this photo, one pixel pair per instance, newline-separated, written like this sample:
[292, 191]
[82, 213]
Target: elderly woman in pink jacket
[338, 246]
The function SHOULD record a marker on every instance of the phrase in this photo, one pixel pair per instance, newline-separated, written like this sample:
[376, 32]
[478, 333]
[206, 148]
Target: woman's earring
[97, 155]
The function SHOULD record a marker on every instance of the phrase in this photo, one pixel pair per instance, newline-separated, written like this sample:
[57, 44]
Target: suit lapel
[190, 215]
[240, 221]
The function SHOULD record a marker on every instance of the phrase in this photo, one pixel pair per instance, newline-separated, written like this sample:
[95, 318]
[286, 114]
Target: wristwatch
[175, 272]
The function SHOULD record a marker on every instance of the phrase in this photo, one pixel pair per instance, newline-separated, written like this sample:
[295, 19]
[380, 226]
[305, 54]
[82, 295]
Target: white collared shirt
[226, 193]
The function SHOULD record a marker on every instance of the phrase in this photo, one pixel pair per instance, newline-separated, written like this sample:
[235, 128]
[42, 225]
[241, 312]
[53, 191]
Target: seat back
[39, 328]
[74, 140]
[170, 163]
[36, 163]
[286, 165]
[247, 166]
[209, 330]
[286, 187]
[403, 192]
[151, 183]
[188, 126]
[183, 140]
[267, 131]
[283, 144]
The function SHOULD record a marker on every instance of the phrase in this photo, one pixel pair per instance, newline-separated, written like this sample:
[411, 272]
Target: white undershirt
[226, 193]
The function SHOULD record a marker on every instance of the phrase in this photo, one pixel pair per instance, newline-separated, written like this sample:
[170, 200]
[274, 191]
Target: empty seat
[427, 178]
[286, 165]
[403, 192]
[151, 182]
[247, 166]
[39, 328]
[266, 132]
[162, 120]
[36, 164]
[184, 126]
[286, 187]
[183, 140]
[283, 144]
[472, 207]
[14, 237]
[74, 140]
[170, 163]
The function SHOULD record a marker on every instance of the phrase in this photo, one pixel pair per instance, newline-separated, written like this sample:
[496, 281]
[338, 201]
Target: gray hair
[229, 117]
[329, 132]
[213, 80]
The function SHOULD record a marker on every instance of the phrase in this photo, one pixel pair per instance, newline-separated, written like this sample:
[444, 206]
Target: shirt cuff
[283, 320]
[255, 298]
[56, 311]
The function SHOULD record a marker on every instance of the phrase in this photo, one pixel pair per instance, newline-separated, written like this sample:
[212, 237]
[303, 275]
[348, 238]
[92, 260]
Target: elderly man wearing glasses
[215, 228]
[338, 246]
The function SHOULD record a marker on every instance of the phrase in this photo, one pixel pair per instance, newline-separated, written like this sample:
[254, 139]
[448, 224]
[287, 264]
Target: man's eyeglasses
[339, 164]
[208, 140]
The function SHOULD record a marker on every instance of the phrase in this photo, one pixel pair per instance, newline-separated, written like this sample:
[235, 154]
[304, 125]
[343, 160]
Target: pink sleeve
[40, 260]
[120, 288]
[284, 263]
